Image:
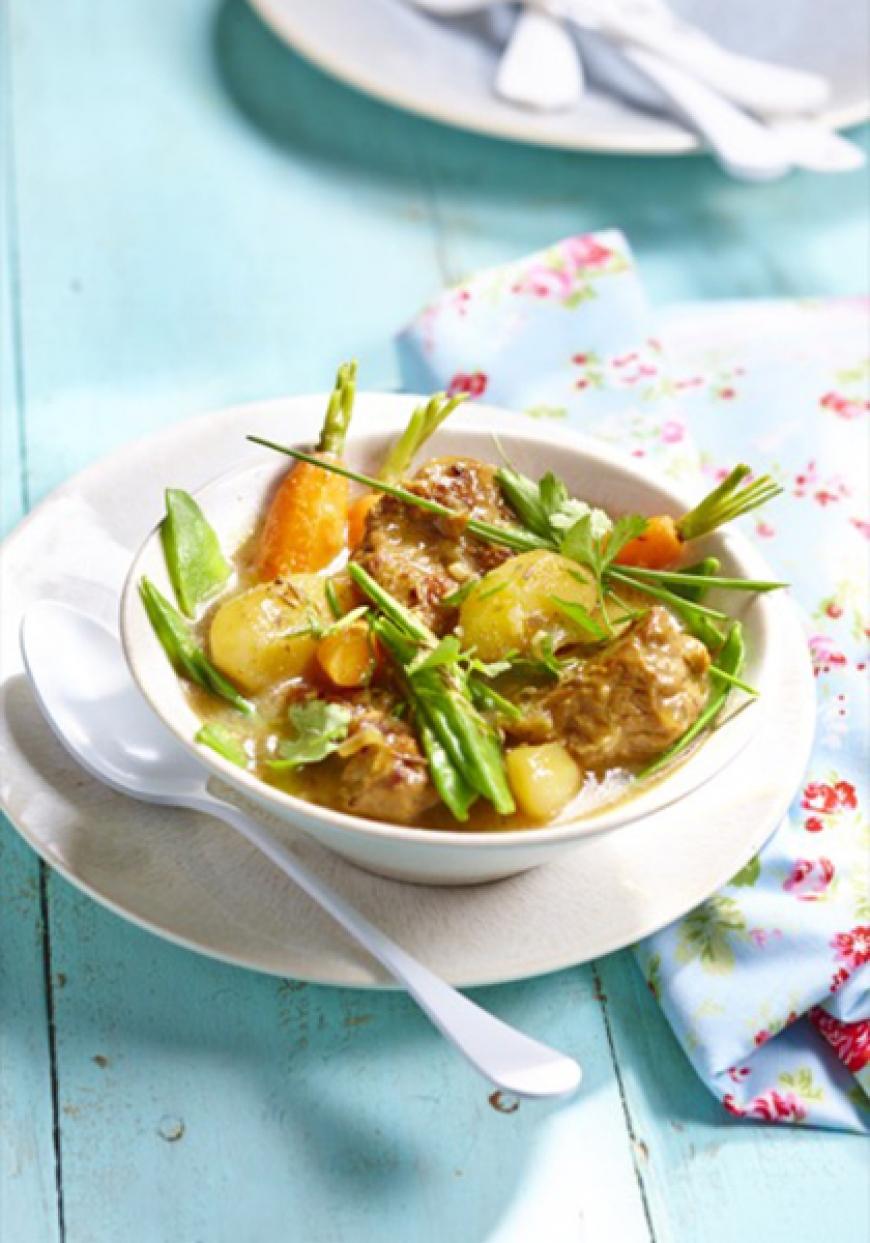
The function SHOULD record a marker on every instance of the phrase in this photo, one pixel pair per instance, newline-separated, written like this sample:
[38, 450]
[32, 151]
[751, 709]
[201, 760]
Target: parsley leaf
[579, 544]
[580, 616]
[545, 508]
[624, 530]
[225, 741]
[320, 729]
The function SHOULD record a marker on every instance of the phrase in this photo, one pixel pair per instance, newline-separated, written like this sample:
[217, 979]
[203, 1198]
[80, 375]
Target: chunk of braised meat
[420, 557]
[383, 772]
[626, 704]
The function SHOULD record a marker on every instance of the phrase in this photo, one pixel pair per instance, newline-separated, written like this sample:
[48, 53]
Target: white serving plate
[190, 880]
[234, 504]
[407, 59]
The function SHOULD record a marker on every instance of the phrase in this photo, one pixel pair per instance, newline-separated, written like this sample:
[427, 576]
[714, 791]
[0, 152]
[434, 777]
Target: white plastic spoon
[630, 73]
[760, 86]
[82, 685]
[745, 148]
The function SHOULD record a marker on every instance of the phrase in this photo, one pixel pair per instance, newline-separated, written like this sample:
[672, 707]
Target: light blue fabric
[767, 984]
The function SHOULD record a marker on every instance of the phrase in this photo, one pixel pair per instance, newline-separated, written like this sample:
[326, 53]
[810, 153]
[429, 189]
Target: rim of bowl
[610, 817]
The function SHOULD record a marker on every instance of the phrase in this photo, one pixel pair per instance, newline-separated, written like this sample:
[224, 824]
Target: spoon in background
[761, 86]
[641, 51]
[649, 81]
[78, 673]
[540, 67]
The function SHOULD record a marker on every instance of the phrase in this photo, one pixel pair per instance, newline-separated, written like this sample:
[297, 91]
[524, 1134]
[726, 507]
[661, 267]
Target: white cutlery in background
[744, 147]
[758, 85]
[540, 66]
[650, 81]
[638, 49]
[817, 149]
[86, 694]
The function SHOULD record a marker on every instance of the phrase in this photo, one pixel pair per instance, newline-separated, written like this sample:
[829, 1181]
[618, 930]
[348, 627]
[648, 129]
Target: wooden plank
[28, 1191]
[201, 1101]
[242, 224]
[697, 234]
[711, 1177]
[28, 1188]
[216, 234]
[133, 1059]
[703, 1176]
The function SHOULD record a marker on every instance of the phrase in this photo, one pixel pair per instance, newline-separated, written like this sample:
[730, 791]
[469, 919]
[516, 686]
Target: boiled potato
[254, 637]
[543, 779]
[512, 606]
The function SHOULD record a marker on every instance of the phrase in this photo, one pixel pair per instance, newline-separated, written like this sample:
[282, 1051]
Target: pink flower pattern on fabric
[565, 333]
[850, 1041]
[809, 879]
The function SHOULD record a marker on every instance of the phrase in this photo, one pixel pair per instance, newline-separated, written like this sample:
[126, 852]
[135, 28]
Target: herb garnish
[223, 740]
[320, 729]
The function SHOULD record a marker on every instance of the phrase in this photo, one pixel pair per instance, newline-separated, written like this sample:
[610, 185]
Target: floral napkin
[767, 983]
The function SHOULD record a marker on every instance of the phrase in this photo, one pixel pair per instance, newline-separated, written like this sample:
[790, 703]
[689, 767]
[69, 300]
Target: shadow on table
[303, 111]
[345, 1103]
[338, 1096]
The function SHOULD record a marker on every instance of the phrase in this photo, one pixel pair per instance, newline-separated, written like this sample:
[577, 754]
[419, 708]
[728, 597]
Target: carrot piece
[656, 547]
[357, 516]
[348, 656]
[661, 544]
[306, 522]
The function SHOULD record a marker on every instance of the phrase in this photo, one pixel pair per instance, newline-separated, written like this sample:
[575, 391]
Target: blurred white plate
[445, 71]
[194, 881]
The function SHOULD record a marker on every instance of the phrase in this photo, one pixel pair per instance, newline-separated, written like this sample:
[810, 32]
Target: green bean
[183, 650]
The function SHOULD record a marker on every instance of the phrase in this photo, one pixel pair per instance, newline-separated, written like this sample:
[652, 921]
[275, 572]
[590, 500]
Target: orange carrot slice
[657, 547]
[348, 657]
[357, 517]
[306, 523]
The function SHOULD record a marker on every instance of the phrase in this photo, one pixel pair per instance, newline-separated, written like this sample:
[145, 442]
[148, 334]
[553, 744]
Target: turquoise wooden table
[196, 217]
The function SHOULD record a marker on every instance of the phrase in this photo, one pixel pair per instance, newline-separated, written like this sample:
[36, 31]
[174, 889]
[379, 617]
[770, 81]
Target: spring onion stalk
[726, 502]
[423, 423]
[509, 537]
[720, 675]
[699, 579]
[489, 700]
[698, 617]
[332, 599]
[197, 567]
[695, 590]
[338, 412]
[668, 597]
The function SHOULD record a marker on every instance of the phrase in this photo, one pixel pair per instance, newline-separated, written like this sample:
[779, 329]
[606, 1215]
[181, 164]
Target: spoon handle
[744, 147]
[509, 1059]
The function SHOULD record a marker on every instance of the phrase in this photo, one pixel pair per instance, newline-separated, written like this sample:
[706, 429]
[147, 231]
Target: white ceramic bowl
[233, 503]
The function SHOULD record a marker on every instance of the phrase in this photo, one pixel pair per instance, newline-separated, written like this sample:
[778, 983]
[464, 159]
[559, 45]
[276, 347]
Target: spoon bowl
[78, 673]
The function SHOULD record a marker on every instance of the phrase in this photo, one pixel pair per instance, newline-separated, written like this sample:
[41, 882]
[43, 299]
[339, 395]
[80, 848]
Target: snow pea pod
[197, 567]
